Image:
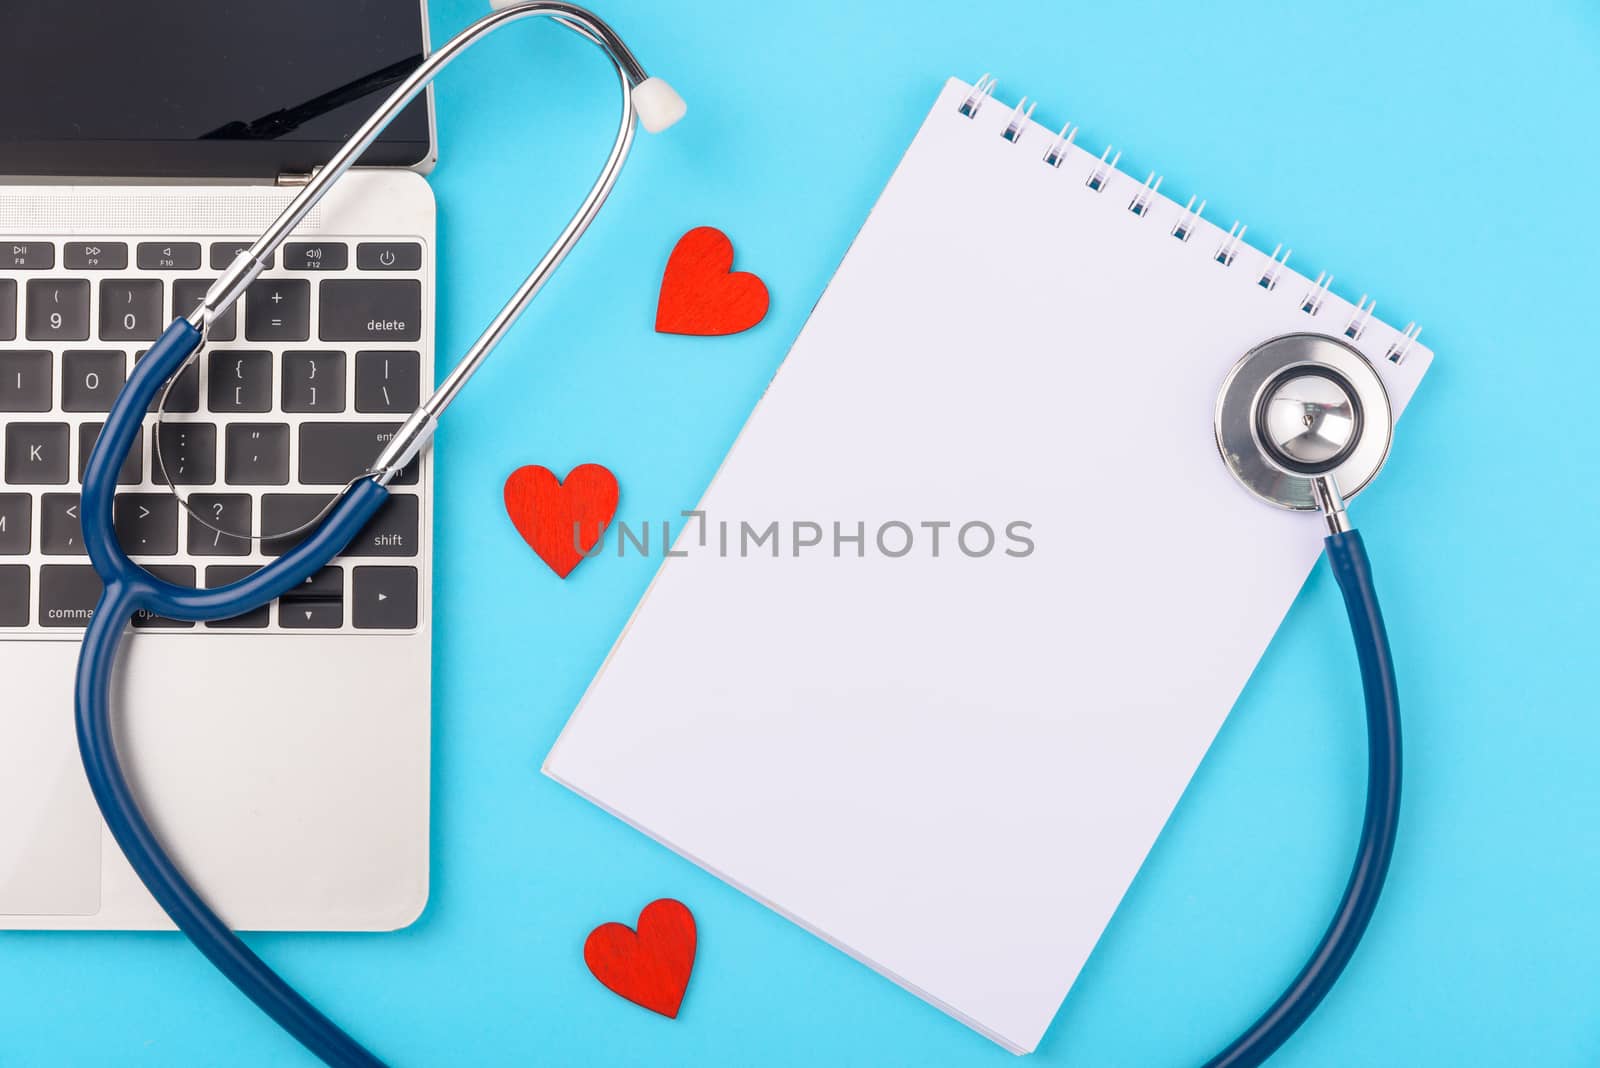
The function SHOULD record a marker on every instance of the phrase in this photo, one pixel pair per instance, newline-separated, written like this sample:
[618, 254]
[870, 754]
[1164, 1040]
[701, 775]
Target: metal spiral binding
[1185, 224]
[1099, 178]
[1141, 200]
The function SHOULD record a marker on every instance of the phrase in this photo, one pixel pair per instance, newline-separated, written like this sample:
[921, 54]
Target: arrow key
[385, 598]
[316, 604]
[146, 523]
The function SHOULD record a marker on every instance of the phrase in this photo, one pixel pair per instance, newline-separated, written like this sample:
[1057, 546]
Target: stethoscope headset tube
[1326, 390]
[128, 588]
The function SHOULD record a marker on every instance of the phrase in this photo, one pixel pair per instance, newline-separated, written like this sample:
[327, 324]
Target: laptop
[283, 757]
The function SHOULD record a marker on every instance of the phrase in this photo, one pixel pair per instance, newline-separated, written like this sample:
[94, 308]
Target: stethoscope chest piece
[1298, 408]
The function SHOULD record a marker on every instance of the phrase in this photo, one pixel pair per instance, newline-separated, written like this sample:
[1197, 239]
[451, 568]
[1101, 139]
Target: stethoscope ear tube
[1347, 555]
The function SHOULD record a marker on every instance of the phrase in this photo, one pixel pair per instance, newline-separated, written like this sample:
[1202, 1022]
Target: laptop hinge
[293, 179]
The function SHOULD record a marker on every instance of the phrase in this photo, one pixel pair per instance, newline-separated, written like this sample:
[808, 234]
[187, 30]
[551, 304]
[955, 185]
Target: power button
[389, 256]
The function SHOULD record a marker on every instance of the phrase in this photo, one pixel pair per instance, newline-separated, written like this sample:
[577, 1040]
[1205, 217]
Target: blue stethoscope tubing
[1347, 555]
[129, 588]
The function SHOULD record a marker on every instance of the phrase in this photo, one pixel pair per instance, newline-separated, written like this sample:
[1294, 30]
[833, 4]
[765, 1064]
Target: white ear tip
[658, 104]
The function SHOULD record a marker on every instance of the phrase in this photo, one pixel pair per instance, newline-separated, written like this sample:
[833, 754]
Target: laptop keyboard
[295, 394]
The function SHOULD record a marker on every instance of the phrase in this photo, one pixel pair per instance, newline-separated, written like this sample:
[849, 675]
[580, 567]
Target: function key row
[381, 598]
[147, 524]
[275, 309]
[29, 255]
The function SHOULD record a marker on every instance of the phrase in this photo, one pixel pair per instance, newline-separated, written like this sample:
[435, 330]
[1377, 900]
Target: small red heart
[700, 293]
[561, 521]
[649, 967]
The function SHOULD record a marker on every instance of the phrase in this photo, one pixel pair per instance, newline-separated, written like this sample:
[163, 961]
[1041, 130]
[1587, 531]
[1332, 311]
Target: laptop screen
[202, 88]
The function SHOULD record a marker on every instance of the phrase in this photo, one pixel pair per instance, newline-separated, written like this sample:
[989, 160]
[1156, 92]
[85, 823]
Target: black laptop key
[225, 575]
[169, 256]
[36, 454]
[313, 382]
[384, 598]
[131, 310]
[95, 256]
[392, 532]
[16, 524]
[132, 472]
[182, 395]
[258, 454]
[68, 594]
[223, 253]
[240, 382]
[331, 454]
[389, 256]
[224, 512]
[8, 309]
[316, 256]
[317, 603]
[278, 309]
[146, 523]
[363, 310]
[60, 532]
[25, 255]
[186, 296]
[16, 591]
[178, 575]
[58, 309]
[283, 512]
[184, 454]
[388, 381]
[91, 379]
[25, 381]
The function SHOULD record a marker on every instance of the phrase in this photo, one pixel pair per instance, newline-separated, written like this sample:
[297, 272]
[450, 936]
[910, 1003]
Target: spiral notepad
[949, 758]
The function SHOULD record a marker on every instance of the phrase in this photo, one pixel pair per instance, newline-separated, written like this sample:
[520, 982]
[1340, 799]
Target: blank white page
[951, 767]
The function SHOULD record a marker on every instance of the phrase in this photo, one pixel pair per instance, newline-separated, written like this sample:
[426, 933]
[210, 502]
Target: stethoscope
[1303, 421]
[129, 588]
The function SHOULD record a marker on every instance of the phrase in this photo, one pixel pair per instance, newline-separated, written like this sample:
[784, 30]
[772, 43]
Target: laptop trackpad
[49, 826]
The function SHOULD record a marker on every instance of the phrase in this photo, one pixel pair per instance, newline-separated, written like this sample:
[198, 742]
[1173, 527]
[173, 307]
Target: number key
[130, 311]
[58, 310]
[90, 380]
[25, 381]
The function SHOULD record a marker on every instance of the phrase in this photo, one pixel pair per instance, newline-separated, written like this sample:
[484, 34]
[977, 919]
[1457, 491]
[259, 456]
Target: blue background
[1440, 160]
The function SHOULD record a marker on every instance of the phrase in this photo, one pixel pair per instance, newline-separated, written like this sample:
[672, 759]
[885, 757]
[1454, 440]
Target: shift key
[364, 310]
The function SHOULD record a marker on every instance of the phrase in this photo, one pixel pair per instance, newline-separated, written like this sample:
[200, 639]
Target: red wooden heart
[561, 520]
[701, 294]
[651, 966]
